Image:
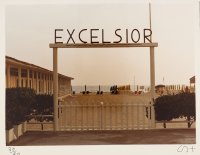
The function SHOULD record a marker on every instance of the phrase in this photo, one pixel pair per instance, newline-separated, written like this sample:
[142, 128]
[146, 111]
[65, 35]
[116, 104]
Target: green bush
[170, 107]
[19, 102]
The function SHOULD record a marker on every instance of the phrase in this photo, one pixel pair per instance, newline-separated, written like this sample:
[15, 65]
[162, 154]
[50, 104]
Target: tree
[164, 108]
[170, 107]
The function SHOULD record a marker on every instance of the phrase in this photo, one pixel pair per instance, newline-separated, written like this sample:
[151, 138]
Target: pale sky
[30, 29]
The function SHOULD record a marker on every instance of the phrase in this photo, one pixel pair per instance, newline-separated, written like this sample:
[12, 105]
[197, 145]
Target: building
[23, 74]
[192, 84]
[160, 89]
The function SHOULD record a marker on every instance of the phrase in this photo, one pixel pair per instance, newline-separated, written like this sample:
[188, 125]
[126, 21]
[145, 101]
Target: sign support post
[152, 75]
[55, 87]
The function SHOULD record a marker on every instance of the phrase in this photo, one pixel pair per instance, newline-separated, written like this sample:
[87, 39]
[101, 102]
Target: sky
[30, 29]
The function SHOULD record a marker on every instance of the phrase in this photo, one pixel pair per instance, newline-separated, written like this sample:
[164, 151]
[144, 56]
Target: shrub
[43, 106]
[19, 102]
[169, 107]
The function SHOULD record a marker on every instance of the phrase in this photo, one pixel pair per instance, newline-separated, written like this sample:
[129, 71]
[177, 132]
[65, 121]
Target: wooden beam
[108, 45]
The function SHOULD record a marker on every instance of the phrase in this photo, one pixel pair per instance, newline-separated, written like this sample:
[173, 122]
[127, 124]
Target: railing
[176, 124]
[103, 116]
[34, 125]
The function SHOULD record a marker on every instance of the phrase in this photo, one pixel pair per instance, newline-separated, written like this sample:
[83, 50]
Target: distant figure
[114, 89]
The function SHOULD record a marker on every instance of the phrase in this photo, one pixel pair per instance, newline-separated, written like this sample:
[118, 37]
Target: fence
[35, 125]
[103, 116]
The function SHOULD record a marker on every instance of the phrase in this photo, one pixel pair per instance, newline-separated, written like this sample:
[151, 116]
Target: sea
[105, 88]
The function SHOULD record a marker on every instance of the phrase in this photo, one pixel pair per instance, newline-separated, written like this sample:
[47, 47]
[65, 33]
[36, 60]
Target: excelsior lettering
[96, 36]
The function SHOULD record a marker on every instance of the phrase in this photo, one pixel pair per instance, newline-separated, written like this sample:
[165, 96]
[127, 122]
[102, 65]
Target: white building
[23, 74]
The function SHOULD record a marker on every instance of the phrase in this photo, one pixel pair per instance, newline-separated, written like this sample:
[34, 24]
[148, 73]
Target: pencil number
[13, 151]
[185, 148]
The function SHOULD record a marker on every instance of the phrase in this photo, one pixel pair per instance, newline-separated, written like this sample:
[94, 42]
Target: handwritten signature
[13, 151]
[185, 148]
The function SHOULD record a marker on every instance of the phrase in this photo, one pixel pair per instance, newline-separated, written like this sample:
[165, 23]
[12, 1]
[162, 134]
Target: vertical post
[82, 116]
[138, 116]
[37, 82]
[116, 116]
[152, 75]
[70, 116]
[101, 116]
[127, 116]
[28, 78]
[33, 86]
[55, 87]
[44, 83]
[93, 115]
[111, 116]
[49, 83]
[19, 77]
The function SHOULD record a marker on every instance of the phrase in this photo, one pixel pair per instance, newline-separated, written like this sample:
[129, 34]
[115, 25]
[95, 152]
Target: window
[24, 73]
[38, 75]
[30, 74]
[13, 71]
[35, 76]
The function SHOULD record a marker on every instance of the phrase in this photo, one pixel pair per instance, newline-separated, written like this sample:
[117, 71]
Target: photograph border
[88, 149]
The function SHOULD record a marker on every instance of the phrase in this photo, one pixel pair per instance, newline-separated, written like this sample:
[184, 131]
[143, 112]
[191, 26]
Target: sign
[98, 36]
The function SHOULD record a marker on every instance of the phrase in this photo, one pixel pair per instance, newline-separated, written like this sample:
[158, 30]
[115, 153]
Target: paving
[156, 136]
